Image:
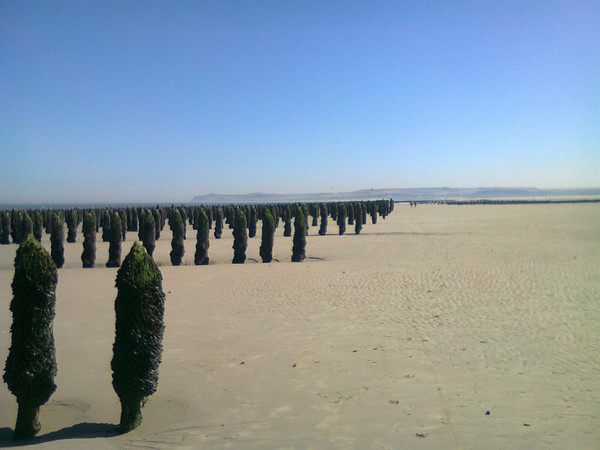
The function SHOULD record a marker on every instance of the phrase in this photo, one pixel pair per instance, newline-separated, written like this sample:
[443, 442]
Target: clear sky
[121, 101]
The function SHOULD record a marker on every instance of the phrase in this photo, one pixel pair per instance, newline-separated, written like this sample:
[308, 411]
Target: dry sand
[402, 337]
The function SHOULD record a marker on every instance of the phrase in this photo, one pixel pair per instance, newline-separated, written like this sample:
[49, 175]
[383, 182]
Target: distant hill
[407, 194]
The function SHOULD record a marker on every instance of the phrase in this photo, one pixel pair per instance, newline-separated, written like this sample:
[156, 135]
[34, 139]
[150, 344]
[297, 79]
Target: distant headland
[411, 194]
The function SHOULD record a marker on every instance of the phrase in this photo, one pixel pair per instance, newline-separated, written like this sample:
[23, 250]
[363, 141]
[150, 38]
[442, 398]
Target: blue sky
[159, 101]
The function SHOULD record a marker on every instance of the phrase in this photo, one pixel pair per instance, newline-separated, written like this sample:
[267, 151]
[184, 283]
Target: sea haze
[399, 194]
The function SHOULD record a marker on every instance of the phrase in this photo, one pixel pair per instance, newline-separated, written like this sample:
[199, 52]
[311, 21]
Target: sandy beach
[441, 327]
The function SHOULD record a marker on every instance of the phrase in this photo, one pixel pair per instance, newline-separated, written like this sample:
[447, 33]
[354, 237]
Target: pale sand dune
[402, 337]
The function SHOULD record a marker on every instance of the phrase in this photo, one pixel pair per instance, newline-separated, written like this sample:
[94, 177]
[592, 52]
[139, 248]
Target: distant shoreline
[425, 194]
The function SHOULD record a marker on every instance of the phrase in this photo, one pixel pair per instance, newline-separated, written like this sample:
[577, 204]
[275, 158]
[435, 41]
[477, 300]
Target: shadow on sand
[83, 430]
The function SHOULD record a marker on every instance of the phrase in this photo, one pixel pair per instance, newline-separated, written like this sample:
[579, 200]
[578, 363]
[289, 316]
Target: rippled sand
[440, 327]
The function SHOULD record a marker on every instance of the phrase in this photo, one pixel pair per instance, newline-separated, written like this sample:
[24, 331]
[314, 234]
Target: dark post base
[28, 423]
[131, 416]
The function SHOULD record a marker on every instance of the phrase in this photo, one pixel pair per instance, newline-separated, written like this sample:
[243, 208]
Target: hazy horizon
[123, 102]
[431, 193]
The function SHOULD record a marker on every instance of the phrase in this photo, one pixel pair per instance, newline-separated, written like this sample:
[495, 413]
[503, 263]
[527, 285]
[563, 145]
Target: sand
[439, 327]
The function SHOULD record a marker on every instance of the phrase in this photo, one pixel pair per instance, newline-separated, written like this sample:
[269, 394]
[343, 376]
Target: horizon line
[565, 191]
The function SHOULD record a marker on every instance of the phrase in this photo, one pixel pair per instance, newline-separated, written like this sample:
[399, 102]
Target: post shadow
[84, 430]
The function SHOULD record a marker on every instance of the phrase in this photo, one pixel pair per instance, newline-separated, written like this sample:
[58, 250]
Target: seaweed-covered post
[71, 219]
[314, 212]
[240, 238]
[341, 218]
[287, 226]
[358, 223]
[26, 226]
[37, 225]
[267, 238]
[88, 256]
[202, 242]
[299, 246]
[115, 238]
[373, 212]
[148, 231]
[57, 240]
[323, 227]
[16, 226]
[141, 228]
[351, 209]
[106, 226]
[5, 237]
[134, 219]
[218, 223]
[123, 216]
[184, 218]
[275, 210]
[252, 220]
[333, 211]
[139, 328]
[31, 363]
[158, 222]
[177, 246]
